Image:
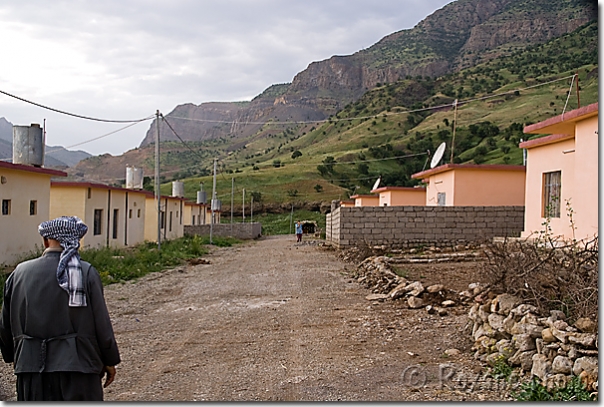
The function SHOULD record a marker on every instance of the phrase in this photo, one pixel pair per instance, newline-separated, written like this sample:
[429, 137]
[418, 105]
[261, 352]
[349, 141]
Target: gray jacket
[39, 332]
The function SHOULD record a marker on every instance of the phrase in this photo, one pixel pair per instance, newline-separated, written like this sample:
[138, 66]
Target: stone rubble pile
[376, 274]
[505, 329]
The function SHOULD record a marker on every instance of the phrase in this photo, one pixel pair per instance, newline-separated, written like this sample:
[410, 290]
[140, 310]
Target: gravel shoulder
[275, 320]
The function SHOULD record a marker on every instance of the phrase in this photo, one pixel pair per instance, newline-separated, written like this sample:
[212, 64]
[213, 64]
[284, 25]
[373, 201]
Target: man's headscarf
[68, 230]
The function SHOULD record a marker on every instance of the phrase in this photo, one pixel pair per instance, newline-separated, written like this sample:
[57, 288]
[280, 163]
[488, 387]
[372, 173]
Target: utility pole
[243, 207]
[213, 202]
[454, 125]
[252, 210]
[157, 192]
[232, 197]
[578, 100]
[291, 219]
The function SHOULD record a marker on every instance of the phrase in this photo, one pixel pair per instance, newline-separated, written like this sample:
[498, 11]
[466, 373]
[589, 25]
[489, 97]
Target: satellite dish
[377, 183]
[438, 155]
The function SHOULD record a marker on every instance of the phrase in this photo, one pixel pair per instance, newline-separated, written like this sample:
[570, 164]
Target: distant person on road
[54, 325]
[299, 231]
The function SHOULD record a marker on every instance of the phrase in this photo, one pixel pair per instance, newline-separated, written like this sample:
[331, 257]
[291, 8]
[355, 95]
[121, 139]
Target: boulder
[496, 321]
[547, 335]
[415, 302]
[584, 339]
[435, 288]
[587, 364]
[504, 303]
[586, 325]
[523, 359]
[523, 342]
[562, 364]
[524, 309]
[541, 366]
[533, 330]
[414, 289]
[448, 303]
[398, 291]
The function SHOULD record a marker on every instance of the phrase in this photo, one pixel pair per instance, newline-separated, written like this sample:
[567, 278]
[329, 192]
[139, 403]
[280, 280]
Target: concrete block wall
[242, 231]
[407, 226]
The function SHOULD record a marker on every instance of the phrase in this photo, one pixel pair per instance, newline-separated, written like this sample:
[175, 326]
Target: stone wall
[405, 226]
[238, 230]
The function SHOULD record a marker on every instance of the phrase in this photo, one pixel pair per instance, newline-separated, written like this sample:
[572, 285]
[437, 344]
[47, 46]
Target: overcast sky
[124, 59]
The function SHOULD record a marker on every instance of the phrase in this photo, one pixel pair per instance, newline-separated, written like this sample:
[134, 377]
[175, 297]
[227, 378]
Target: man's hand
[110, 371]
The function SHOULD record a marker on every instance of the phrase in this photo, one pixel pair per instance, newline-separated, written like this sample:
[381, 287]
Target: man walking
[299, 231]
[54, 326]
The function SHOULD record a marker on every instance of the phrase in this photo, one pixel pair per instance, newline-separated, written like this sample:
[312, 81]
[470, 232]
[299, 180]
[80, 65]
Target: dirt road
[274, 320]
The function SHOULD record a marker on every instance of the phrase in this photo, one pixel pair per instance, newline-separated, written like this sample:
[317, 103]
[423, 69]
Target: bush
[574, 390]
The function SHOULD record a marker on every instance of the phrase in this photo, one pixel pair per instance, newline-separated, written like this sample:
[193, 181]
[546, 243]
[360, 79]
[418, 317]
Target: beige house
[171, 217]
[25, 196]
[197, 214]
[115, 216]
[347, 203]
[562, 175]
[400, 196]
[366, 200]
[474, 185]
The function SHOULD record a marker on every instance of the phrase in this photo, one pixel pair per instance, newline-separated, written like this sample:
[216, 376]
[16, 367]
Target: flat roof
[364, 196]
[31, 168]
[474, 167]
[542, 141]
[564, 123]
[386, 189]
[87, 184]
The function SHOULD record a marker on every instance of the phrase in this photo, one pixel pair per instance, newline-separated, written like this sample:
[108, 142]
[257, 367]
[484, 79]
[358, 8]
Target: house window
[129, 213]
[138, 213]
[193, 222]
[33, 207]
[98, 222]
[162, 219]
[6, 206]
[115, 222]
[169, 230]
[441, 199]
[89, 193]
[552, 185]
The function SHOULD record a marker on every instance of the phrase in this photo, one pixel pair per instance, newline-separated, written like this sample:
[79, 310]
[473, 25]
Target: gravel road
[275, 320]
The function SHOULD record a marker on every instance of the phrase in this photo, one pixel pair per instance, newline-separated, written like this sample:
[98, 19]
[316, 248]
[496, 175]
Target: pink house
[474, 185]
[366, 200]
[401, 196]
[562, 175]
[347, 204]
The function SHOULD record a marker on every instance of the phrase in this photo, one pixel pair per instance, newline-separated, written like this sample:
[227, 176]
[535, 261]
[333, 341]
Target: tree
[256, 196]
[276, 163]
[322, 170]
[296, 154]
[318, 188]
[329, 162]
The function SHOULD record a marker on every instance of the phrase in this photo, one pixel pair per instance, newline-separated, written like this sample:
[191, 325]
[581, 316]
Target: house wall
[405, 226]
[442, 182]
[585, 201]
[67, 201]
[135, 219]
[542, 159]
[367, 201]
[150, 219]
[238, 230]
[489, 188]
[411, 197]
[20, 229]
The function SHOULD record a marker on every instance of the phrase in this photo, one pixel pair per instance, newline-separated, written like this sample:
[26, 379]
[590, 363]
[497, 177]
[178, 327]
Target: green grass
[279, 224]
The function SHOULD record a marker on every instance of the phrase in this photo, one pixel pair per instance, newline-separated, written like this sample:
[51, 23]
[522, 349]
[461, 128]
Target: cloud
[125, 59]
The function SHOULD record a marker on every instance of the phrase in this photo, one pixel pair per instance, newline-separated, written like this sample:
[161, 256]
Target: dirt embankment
[276, 320]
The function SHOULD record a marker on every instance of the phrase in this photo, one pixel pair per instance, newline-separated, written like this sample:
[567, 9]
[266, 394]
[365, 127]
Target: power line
[73, 114]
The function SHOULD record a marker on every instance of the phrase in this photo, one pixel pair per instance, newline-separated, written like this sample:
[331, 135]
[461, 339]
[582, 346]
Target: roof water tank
[28, 145]
[216, 205]
[202, 197]
[134, 178]
[178, 189]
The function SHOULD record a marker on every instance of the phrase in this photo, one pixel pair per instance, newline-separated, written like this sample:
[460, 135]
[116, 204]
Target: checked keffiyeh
[68, 230]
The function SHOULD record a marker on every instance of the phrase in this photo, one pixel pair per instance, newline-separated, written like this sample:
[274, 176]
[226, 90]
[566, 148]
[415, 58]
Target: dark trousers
[299, 236]
[59, 386]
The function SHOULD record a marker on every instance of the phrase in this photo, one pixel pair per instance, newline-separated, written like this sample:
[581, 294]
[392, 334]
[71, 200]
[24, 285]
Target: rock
[586, 325]
[493, 358]
[484, 330]
[556, 381]
[524, 309]
[560, 325]
[560, 335]
[441, 311]
[472, 286]
[523, 359]
[465, 295]
[415, 302]
[523, 342]
[376, 297]
[496, 321]
[452, 352]
[572, 353]
[504, 303]
[547, 335]
[557, 315]
[534, 330]
[448, 303]
[505, 347]
[473, 313]
[484, 311]
[508, 323]
[584, 339]
[530, 318]
[562, 364]
[539, 345]
[590, 382]
[587, 364]
[430, 309]
[398, 291]
[415, 288]
[488, 344]
[541, 366]
[435, 288]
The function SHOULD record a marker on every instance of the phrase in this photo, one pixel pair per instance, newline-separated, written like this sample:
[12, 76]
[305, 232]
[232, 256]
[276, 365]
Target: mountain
[460, 35]
[54, 156]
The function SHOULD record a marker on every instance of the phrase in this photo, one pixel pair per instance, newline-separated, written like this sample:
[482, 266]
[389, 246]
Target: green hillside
[393, 129]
